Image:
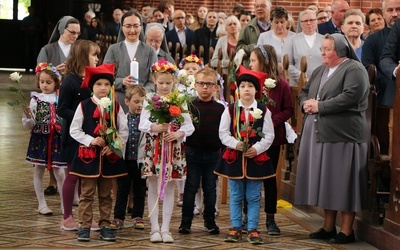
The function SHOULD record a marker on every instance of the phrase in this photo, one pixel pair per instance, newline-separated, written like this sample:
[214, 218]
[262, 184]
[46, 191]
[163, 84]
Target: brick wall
[293, 6]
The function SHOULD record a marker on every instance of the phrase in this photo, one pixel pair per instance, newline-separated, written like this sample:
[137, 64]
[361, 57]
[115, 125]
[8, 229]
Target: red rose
[174, 110]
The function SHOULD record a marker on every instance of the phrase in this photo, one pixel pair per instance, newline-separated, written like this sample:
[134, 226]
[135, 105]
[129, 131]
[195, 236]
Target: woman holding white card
[128, 48]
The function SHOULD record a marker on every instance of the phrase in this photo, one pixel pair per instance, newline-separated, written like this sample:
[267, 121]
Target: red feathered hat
[255, 77]
[92, 74]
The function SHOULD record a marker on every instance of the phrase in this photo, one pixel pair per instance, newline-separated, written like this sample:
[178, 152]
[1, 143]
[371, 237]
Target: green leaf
[12, 104]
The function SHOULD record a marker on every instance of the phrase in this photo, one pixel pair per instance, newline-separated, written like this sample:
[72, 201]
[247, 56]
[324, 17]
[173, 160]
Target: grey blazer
[118, 54]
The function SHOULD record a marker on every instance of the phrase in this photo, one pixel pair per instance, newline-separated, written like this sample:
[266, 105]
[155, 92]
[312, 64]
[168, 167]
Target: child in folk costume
[163, 157]
[45, 143]
[247, 131]
[100, 126]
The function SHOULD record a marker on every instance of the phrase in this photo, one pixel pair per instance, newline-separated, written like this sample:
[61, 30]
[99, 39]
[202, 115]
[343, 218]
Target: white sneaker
[155, 236]
[45, 211]
[167, 237]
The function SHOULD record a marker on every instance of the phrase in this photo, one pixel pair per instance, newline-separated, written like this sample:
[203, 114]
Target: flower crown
[164, 66]
[191, 59]
[47, 66]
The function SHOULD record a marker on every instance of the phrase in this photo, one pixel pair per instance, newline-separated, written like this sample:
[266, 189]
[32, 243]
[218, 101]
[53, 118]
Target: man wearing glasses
[339, 7]
[155, 38]
[249, 34]
[180, 34]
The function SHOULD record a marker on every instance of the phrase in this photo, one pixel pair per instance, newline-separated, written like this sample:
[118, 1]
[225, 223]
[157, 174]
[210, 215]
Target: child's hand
[28, 112]
[239, 146]
[250, 153]
[98, 141]
[159, 128]
[106, 151]
[172, 136]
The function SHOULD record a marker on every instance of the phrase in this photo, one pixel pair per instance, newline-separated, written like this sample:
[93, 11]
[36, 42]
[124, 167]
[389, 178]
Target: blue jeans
[200, 166]
[239, 190]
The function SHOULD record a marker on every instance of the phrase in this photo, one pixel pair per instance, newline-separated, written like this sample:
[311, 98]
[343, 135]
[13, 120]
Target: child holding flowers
[247, 131]
[276, 95]
[167, 123]
[100, 126]
[45, 142]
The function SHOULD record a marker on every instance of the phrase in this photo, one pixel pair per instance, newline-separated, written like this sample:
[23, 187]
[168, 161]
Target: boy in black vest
[247, 131]
[100, 126]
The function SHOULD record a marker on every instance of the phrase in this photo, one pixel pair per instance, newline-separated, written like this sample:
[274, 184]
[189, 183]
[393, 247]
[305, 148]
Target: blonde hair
[134, 89]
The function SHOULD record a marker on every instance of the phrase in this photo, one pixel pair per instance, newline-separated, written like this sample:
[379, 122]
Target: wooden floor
[22, 227]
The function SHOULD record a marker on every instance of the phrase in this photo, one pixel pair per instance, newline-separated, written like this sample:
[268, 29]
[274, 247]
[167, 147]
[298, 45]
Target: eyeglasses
[309, 20]
[207, 84]
[262, 6]
[74, 32]
[322, 18]
[325, 50]
[130, 26]
[179, 17]
[150, 40]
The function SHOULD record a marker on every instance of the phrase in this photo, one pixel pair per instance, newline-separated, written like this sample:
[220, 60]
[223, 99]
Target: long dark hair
[270, 65]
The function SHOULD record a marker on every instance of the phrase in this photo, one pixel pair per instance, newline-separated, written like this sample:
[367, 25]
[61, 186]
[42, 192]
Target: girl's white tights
[167, 204]
[38, 174]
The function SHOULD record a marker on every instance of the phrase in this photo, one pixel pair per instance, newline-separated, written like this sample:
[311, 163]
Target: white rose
[164, 99]
[15, 76]
[182, 74]
[190, 80]
[270, 83]
[105, 102]
[256, 114]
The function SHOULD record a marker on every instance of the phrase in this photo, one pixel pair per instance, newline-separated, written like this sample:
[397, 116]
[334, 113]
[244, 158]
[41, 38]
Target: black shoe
[183, 229]
[321, 234]
[50, 190]
[272, 228]
[84, 234]
[341, 238]
[211, 227]
[107, 234]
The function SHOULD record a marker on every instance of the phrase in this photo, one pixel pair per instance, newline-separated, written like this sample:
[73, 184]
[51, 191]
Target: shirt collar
[263, 25]
[253, 105]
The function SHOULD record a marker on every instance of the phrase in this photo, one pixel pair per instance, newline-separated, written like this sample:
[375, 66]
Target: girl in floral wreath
[100, 127]
[275, 94]
[45, 143]
[247, 131]
[167, 123]
[189, 66]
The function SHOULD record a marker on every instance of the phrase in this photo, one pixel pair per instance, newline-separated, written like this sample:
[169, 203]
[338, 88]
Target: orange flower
[174, 110]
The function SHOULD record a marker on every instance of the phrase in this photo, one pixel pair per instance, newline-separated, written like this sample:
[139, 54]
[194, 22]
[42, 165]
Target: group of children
[156, 151]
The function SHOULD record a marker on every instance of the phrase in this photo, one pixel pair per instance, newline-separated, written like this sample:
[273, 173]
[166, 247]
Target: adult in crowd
[158, 16]
[373, 50]
[200, 18]
[113, 27]
[353, 27]
[227, 43]
[244, 17]
[237, 9]
[189, 19]
[207, 35]
[145, 11]
[64, 35]
[306, 43]
[180, 34]
[322, 16]
[167, 9]
[127, 49]
[332, 168]
[56, 52]
[86, 24]
[95, 29]
[313, 6]
[155, 38]
[221, 18]
[32, 28]
[389, 63]
[339, 7]
[276, 36]
[328, 10]
[249, 34]
[374, 20]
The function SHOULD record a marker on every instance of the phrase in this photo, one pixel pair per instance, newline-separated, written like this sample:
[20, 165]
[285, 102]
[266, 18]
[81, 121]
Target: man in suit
[180, 34]
[112, 27]
[155, 38]
[249, 34]
[339, 7]
[207, 35]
